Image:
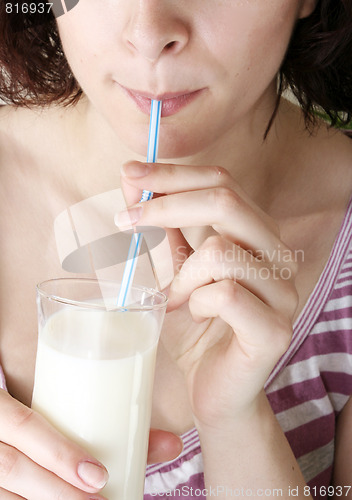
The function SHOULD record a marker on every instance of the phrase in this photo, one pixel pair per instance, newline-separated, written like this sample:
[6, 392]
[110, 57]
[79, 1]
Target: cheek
[271, 38]
[77, 46]
[254, 38]
[83, 40]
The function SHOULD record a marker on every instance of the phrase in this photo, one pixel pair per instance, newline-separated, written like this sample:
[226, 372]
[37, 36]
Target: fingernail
[133, 169]
[128, 217]
[93, 474]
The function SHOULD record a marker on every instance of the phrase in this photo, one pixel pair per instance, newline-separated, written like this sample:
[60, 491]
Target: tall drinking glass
[94, 372]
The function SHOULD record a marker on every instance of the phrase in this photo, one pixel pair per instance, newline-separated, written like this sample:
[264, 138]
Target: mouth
[172, 102]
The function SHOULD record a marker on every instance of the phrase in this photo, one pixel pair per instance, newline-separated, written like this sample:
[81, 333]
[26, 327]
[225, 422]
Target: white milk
[95, 386]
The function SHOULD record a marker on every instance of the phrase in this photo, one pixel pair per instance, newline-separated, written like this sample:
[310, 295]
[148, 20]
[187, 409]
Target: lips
[172, 103]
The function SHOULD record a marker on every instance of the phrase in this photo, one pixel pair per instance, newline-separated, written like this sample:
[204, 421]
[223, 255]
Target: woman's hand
[233, 299]
[37, 462]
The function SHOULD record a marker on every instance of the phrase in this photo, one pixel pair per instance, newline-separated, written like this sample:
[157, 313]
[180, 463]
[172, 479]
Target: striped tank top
[307, 389]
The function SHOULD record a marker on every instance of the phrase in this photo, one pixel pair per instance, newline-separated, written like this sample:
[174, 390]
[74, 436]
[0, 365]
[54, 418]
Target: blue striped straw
[136, 240]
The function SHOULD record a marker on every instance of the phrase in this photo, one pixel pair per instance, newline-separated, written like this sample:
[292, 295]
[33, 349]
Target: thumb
[132, 194]
[168, 256]
[163, 446]
[180, 248]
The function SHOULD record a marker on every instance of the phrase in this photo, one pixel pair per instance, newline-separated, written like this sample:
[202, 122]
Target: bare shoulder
[334, 169]
[313, 195]
[12, 116]
[317, 167]
[22, 126]
[17, 126]
[316, 192]
[319, 179]
[335, 147]
[30, 141]
[26, 150]
[328, 154]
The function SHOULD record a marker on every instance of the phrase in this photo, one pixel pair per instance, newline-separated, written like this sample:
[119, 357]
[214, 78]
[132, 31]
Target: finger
[31, 434]
[260, 331]
[7, 495]
[163, 446]
[169, 178]
[157, 176]
[180, 249]
[218, 259]
[25, 478]
[220, 208]
[133, 193]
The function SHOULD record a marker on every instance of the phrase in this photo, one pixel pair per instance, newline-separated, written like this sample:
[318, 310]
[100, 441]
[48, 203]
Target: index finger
[168, 178]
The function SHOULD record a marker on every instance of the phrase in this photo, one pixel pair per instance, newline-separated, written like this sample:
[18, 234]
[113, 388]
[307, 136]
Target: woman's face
[212, 62]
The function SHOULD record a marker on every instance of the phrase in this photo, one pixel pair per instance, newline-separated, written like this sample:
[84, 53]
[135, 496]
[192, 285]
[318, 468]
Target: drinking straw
[136, 240]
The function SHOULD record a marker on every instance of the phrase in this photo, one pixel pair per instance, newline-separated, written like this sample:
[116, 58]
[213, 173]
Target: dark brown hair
[317, 66]
[33, 68]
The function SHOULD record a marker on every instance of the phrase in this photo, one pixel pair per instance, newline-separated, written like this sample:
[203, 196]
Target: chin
[179, 137]
[173, 141]
[179, 146]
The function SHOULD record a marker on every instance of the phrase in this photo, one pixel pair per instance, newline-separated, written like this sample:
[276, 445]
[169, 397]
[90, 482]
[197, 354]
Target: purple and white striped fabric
[307, 389]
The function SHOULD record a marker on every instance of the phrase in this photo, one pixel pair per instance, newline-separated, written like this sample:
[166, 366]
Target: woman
[244, 177]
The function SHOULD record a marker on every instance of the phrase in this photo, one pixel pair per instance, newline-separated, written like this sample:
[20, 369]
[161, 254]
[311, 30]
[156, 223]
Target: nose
[155, 28]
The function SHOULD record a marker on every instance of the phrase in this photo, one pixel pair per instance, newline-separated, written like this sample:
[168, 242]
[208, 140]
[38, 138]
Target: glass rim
[56, 297]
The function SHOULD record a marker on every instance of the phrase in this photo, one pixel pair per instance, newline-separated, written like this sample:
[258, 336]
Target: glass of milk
[95, 370]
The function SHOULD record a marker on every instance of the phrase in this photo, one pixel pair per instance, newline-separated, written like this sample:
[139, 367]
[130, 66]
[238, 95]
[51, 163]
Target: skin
[219, 182]
[126, 44]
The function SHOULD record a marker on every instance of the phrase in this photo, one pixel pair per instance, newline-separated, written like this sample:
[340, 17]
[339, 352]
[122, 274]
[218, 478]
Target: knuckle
[8, 460]
[160, 203]
[225, 199]
[64, 453]
[171, 169]
[20, 416]
[214, 246]
[227, 292]
[63, 493]
[221, 175]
